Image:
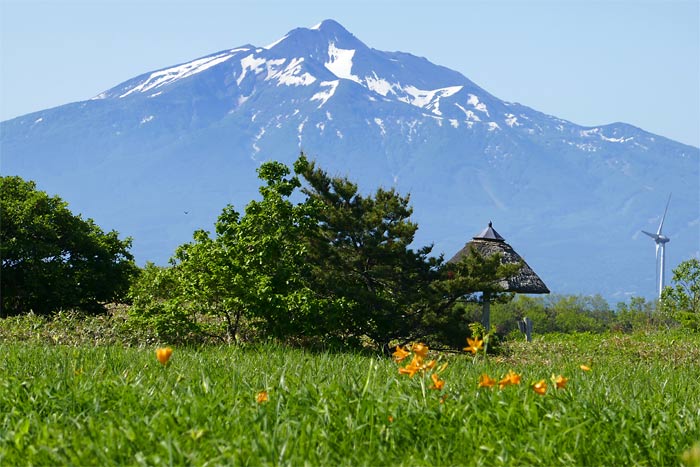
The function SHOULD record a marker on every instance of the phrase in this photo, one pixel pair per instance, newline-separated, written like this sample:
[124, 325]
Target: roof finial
[489, 234]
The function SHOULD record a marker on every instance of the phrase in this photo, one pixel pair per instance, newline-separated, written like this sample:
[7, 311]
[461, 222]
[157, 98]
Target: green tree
[471, 280]
[633, 316]
[52, 259]
[681, 300]
[360, 255]
[253, 270]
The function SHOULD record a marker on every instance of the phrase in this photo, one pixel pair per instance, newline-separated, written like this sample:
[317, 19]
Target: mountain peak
[326, 31]
[330, 25]
[332, 31]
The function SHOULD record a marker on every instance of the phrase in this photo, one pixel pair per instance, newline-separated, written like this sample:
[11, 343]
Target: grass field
[107, 405]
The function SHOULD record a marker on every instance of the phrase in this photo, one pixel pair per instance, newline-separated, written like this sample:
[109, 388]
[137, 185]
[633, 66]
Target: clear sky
[591, 62]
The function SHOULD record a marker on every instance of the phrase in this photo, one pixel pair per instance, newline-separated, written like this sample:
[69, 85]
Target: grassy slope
[639, 405]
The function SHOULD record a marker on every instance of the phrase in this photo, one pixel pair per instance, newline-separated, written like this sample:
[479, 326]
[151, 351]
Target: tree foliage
[681, 300]
[252, 270]
[556, 313]
[471, 280]
[52, 259]
[336, 267]
[360, 254]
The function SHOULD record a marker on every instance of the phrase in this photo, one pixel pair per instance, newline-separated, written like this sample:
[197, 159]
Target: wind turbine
[661, 240]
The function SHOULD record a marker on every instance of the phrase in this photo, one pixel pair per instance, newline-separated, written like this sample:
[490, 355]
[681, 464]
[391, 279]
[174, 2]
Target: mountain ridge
[189, 137]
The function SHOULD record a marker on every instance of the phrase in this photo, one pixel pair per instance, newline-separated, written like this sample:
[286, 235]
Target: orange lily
[485, 381]
[560, 381]
[474, 345]
[420, 349]
[585, 368]
[412, 368]
[261, 397]
[163, 355]
[437, 382]
[428, 366]
[511, 378]
[400, 353]
[540, 387]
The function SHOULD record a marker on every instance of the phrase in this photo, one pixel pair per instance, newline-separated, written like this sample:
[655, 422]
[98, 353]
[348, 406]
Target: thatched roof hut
[490, 242]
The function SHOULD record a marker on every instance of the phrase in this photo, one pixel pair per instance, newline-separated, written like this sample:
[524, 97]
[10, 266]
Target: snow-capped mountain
[159, 155]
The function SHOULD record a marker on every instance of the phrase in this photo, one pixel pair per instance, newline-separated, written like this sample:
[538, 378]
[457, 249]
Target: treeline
[312, 261]
[336, 268]
[574, 313]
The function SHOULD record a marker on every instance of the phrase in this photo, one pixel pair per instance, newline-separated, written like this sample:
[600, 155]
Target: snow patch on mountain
[340, 62]
[511, 120]
[470, 116]
[428, 99]
[250, 63]
[170, 75]
[291, 75]
[480, 106]
[593, 132]
[269, 46]
[324, 95]
[379, 85]
[380, 124]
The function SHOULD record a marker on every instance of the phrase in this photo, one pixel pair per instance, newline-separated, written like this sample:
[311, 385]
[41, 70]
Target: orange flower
[437, 382]
[474, 345]
[540, 387]
[261, 397]
[485, 381]
[560, 381]
[511, 378]
[412, 368]
[400, 353]
[391, 419]
[163, 355]
[428, 366]
[420, 349]
[585, 368]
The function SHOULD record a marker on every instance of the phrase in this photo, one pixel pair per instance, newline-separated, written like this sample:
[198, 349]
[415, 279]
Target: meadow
[637, 404]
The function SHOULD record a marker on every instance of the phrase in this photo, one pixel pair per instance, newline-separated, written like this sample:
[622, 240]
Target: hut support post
[486, 313]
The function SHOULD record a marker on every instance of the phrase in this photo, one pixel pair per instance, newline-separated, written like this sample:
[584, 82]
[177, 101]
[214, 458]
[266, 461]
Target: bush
[53, 260]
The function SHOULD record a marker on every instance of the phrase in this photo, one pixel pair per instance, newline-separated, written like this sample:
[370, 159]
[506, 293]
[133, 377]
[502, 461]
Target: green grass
[109, 405]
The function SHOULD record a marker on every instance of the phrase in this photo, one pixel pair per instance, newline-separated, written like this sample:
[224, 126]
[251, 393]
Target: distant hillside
[160, 155]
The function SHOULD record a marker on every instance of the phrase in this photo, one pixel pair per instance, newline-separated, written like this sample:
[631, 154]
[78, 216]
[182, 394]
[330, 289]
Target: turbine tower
[661, 240]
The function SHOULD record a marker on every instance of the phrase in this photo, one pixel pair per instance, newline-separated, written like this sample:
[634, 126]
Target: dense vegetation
[273, 405]
[52, 259]
[336, 268]
[309, 292]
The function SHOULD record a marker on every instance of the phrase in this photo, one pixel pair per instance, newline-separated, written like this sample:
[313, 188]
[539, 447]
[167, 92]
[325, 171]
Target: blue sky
[590, 62]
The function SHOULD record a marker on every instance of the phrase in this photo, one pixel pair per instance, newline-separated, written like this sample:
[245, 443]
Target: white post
[528, 329]
[486, 314]
[662, 267]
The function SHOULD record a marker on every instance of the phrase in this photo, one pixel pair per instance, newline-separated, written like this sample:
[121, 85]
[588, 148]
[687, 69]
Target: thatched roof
[489, 242]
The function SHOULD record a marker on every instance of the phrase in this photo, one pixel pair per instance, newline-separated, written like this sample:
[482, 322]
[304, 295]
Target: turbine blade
[654, 236]
[664, 216]
[657, 252]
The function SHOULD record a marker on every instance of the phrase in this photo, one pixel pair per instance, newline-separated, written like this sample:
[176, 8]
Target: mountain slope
[159, 155]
